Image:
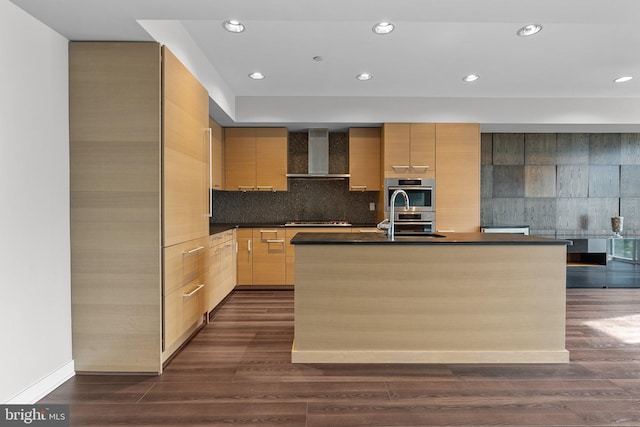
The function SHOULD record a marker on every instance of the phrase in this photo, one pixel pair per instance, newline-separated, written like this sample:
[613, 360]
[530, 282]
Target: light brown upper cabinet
[364, 159]
[217, 156]
[255, 159]
[409, 149]
[185, 174]
[458, 177]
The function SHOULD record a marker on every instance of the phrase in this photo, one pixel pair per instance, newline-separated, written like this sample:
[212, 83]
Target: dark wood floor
[237, 371]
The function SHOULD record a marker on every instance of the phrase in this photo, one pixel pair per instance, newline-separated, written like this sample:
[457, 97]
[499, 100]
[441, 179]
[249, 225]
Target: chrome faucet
[392, 213]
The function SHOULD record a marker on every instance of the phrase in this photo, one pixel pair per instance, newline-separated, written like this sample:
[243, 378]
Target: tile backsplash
[307, 199]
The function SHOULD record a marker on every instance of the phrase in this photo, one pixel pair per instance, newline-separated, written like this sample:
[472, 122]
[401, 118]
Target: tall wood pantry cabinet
[457, 177]
[139, 152]
[448, 152]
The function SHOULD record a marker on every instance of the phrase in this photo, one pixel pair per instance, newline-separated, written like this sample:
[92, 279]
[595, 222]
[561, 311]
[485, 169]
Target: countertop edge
[303, 238]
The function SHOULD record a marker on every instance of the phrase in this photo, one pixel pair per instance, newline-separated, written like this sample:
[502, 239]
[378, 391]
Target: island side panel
[430, 303]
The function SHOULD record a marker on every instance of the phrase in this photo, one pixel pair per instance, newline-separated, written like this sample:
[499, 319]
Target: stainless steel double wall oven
[420, 217]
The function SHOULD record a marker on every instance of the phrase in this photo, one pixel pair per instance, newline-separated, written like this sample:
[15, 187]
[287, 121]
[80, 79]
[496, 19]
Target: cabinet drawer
[192, 304]
[183, 308]
[173, 318]
[184, 263]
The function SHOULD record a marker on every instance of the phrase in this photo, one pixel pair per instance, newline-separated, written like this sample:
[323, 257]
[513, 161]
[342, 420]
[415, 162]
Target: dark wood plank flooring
[237, 371]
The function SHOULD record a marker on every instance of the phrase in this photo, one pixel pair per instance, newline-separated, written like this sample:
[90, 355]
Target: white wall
[35, 284]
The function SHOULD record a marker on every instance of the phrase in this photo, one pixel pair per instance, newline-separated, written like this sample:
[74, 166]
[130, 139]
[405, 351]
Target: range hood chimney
[318, 160]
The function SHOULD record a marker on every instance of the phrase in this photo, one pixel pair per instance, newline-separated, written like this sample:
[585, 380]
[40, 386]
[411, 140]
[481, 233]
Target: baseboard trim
[44, 386]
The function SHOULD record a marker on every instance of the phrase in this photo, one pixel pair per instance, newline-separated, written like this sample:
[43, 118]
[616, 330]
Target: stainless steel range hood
[318, 162]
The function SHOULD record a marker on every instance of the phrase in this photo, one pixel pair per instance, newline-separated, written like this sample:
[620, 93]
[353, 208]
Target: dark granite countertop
[219, 228]
[303, 238]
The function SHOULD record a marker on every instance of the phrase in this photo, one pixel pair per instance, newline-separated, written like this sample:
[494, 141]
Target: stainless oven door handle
[399, 221]
[405, 188]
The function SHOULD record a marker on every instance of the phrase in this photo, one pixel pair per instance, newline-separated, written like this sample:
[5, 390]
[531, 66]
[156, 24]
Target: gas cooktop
[318, 224]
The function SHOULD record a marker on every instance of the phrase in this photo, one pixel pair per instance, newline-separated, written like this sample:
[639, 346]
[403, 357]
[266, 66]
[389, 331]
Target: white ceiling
[558, 80]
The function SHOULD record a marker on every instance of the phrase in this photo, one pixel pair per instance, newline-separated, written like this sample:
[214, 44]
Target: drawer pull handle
[275, 241]
[194, 250]
[193, 292]
[446, 231]
[245, 187]
[400, 167]
[359, 187]
[420, 167]
[265, 187]
[269, 231]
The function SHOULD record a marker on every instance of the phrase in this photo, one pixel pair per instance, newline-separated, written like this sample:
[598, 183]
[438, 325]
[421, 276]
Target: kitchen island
[457, 298]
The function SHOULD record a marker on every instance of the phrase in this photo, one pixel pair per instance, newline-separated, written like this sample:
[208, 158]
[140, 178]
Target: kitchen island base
[440, 303]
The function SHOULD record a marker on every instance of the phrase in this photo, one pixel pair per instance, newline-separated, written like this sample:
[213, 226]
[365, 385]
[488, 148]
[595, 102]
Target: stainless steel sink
[419, 236]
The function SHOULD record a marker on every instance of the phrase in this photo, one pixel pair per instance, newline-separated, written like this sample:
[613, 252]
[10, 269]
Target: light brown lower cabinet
[261, 256]
[269, 256]
[185, 275]
[222, 267]
[245, 256]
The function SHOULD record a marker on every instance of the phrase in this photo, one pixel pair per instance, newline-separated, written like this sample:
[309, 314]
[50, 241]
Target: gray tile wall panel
[486, 149]
[572, 149]
[540, 149]
[540, 213]
[572, 181]
[604, 149]
[508, 181]
[539, 181]
[508, 211]
[630, 210]
[630, 181]
[551, 234]
[508, 149]
[486, 211]
[604, 181]
[486, 181]
[630, 148]
[601, 210]
[572, 214]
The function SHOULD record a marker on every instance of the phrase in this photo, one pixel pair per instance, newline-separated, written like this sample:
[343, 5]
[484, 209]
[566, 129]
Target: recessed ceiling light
[256, 76]
[529, 30]
[318, 58]
[471, 78]
[233, 26]
[383, 28]
[364, 76]
[623, 79]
